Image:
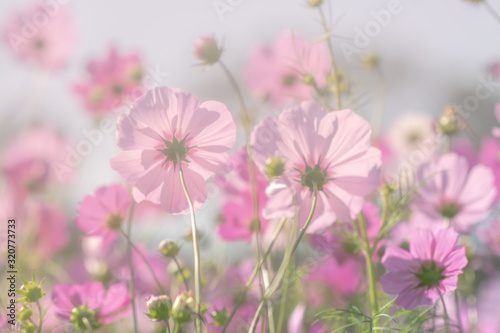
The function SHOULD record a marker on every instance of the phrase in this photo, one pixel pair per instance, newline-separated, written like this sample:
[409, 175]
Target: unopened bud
[169, 248]
[207, 50]
[158, 307]
[183, 307]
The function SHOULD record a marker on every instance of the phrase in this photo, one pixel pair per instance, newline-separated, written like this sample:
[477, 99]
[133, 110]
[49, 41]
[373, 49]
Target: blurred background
[432, 53]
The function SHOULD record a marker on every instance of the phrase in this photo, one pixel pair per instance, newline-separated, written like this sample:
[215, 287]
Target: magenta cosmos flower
[308, 147]
[430, 268]
[91, 301]
[113, 80]
[277, 73]
[103, 213]
[448, 190]
[163, 127]
[42, 34]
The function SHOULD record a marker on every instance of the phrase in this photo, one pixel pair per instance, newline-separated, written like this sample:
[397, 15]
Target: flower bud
[183, 307]
[158, 307]
[31, 291]
[308, 79]
[207, 50]
[449, 121]
[24, 314]
[169, 248]
[315, 3]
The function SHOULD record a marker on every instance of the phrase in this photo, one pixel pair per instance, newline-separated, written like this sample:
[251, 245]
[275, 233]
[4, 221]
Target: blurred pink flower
[489, 155]
[237, 215]
[162, 126]
[42, 34]
[53, 234]
[103, 213]
[310, 146]
[104, 306]
[112, 81]
[496, 130]
[237, 212]
[30, 158]
[430, 268]
[449, 190]
[490, 236]
[331, 282]
[277, 73]
[488, 306]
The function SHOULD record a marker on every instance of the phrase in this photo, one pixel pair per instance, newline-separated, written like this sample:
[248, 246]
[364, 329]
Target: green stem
[370, 269]
[334, 67]
[445, 313]
[40, 315]
[457, 312]
[130, 265]
[254, 274]
[284, 265]
[167, 326]
[145, 260]
[281, 317]
[196, 250]
[182, 273]
[176, 327]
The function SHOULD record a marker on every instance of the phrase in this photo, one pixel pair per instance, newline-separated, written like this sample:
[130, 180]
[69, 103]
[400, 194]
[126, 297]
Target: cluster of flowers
[350, 229]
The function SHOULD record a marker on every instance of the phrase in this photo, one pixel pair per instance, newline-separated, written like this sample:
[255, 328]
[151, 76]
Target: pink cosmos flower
[490, 237]
[165, 126]
[113, 80]
[102, 214]
[308, 147]
[237, 215]
[430, 268]
[91, 301]
[42, 34]
[489, 155]
[237, 212]
[332, 282]
[448, 190]
[277, 73]
[341, 241]
[30, 158]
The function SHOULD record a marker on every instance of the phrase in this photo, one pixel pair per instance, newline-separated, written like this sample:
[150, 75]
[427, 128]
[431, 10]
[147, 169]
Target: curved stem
[334, 67]
[176, 327]
[284, 265]
[254, 274]
[40, 315]
[182, 273]
[368, 251]
[130, 265]
[145, 260]
[196, 250]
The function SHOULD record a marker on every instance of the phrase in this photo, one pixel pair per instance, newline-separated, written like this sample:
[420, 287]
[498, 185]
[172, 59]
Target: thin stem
[372, 287]
[284, 265]
[40, 315]
[145, 260]
[196, 250]
[246, 123]
[130, 265]
[334, 67]
[492, 11]
[254, 274]
[176, 327]
[167, 326]
[281, 317]
[457, 312]
[445, 313]
[182, 272]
